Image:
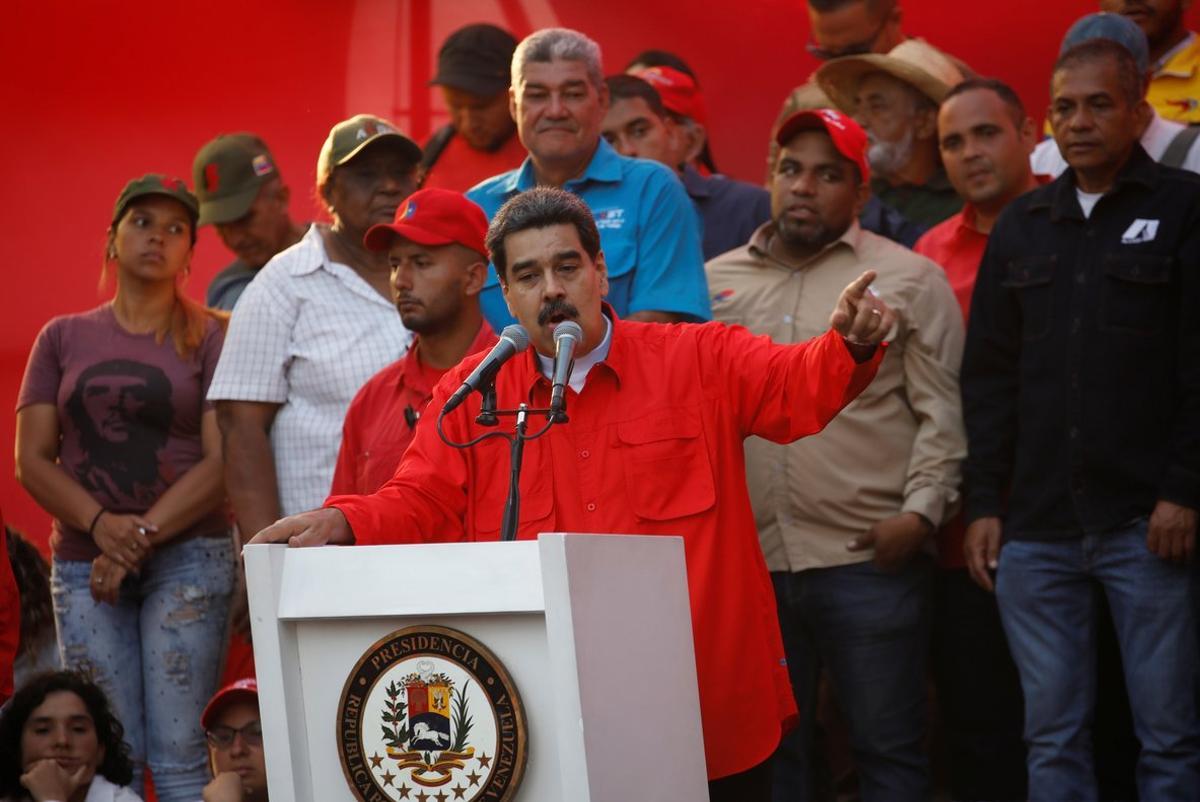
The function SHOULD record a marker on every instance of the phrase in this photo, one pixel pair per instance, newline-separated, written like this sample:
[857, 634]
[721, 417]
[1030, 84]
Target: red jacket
[653, 446]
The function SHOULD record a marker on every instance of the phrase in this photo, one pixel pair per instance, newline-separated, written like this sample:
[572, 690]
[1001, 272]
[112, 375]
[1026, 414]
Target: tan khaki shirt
[899, 446]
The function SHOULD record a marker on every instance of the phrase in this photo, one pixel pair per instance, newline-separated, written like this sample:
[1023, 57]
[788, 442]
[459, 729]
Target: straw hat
[913, 61]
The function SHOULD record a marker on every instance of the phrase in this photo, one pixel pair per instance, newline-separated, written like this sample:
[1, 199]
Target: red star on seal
[474, 778]
[376, 760]
[404, 791]
[458, 791]
[388, 777]
[484, 761]
[441, 796]
[423, 797]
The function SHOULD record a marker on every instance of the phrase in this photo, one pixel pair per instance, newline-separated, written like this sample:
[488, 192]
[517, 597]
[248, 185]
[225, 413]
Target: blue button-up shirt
[648, 232]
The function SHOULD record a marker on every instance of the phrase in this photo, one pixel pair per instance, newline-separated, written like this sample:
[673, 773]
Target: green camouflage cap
[156, 184]
[347, 139]
[228, 173]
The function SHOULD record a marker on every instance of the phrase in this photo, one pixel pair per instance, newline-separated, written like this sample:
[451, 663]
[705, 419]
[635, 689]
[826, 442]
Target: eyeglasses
[222, 737]
[858, 49]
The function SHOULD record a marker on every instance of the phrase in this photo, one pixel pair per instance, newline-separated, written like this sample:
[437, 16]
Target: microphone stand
[489, 416]
[516, 453]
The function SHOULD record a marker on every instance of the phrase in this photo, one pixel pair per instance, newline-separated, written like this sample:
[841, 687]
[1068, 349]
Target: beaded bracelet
[92, 528]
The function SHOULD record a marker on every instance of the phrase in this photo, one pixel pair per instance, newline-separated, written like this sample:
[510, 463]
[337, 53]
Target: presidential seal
[430, 715]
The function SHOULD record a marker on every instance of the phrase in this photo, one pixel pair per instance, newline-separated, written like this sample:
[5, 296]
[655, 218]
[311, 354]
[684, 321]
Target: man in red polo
[439, 261]
[985, 138]
[654, 446]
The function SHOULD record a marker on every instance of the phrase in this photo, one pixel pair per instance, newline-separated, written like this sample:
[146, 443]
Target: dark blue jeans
[870, 632]
[1046, 604]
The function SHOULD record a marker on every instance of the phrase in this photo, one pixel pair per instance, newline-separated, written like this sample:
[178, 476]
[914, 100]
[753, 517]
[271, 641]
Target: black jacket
[1081, 375]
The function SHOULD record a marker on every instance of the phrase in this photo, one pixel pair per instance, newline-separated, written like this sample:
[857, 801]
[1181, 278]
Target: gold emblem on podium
[430, 715]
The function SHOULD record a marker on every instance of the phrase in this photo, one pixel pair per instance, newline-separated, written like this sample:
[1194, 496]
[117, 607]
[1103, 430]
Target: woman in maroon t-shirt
[116, 441]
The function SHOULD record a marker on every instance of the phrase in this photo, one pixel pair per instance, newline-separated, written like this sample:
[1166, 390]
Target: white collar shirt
[307, 334]
[580, 367]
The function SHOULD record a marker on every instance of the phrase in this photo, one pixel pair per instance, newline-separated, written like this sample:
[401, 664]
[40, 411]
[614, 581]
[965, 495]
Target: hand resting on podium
[314, 528]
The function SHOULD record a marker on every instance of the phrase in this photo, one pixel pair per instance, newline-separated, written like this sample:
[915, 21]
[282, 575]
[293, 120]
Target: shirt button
[1075, 324]
[787, 318]
[585, 454]
[1080, 279]
[1074, 433]
[591, 507]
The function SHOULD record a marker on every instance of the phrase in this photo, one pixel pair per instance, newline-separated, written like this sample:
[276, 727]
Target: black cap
[476, 59]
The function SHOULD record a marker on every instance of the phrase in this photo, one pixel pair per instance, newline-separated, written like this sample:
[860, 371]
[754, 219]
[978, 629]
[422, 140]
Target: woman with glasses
[234, 732]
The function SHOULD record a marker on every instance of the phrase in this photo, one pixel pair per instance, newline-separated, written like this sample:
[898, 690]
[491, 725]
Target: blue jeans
[157, 653]
[870, 630]
[1046, 604]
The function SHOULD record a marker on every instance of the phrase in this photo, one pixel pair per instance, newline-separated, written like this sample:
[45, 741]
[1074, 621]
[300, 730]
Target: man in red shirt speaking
[657, 415]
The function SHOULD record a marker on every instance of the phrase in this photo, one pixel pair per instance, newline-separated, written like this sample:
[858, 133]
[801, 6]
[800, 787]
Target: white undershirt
[1087, 200]
[584, 363]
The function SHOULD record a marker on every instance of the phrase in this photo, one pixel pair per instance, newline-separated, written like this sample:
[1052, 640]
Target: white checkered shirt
[307, 334]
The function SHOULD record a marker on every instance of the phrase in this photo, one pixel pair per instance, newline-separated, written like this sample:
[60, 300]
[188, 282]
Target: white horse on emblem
[422, 732]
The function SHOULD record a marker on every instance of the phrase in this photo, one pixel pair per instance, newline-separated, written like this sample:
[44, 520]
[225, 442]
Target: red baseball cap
[244, 690]
[678, 91]
[434, 217]
[848, 136]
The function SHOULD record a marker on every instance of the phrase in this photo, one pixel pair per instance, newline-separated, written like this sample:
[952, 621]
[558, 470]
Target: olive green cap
[348, 138]
[156, 184]
[228, 173]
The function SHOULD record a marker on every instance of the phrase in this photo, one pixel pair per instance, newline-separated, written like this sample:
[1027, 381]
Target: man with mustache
[845, 520]
[985, 138]
[1170, 143]
[1081, 391]
[654, 446]
[439, 261]
[895, 98]
[1174, 54]
[650, 232]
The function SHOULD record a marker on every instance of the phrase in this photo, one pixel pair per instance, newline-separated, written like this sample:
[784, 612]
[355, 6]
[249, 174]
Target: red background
[98, 92]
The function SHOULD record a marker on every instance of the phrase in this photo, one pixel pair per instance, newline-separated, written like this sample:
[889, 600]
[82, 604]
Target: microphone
[567, 336]
[513, 340]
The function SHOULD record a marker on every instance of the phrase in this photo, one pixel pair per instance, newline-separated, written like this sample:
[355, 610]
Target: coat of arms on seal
[430, 715]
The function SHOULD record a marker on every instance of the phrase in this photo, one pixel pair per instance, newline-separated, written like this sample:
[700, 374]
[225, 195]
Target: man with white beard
[895, 96]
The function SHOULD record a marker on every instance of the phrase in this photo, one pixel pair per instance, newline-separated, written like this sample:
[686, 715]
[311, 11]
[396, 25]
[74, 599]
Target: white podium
[593, 633]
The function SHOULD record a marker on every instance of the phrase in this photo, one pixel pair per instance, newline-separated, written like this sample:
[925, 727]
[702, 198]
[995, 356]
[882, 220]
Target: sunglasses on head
[857, 49]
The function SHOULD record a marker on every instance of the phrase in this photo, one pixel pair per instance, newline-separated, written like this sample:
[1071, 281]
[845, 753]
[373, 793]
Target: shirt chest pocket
[1135, 293]
[668, 473]
[536, 489]
[1032, 282]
